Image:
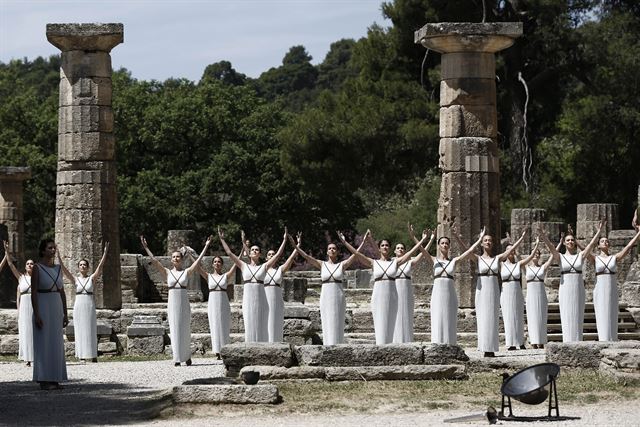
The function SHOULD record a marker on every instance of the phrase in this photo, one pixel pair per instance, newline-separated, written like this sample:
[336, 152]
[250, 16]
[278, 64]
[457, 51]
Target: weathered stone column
[589, 216]
[11, 212]
[470, 190]
[86, 201]
[526, 220]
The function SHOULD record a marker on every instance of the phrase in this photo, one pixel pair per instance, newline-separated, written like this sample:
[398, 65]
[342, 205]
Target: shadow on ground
[79, 403]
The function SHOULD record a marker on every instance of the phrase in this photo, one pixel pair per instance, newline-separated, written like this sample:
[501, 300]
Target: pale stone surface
[296, 311]
[622, 359]
[72, 36]
[359, 355]
[9, 344]
[468, 36]
[232, 393]
[8, 321]
[292, 373]
[467, 91]
[459, 65]
[406, 372]
[526, 219]
[589, 216]
[145, 346]
[299, 327]
[442, 354]
[468, 121]
[236, 356]
[11, 208]
[456, 153]
[585, 354]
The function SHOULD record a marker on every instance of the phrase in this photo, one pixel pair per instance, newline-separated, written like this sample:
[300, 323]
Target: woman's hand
[65, 321]
[221, 233]
[144, 242]
[39, 322]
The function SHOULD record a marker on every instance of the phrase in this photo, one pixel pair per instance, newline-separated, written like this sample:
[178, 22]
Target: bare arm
[278, 254]
[634, 221]
[555, 255]
[623, 253]
[504, 255]
[469, 252]
[196, 263]
[65, 318]
[407, 256]
[311, 260]
[287, 265]
[587, 250]
[528, 259]
[65, 271]
[559, 245]
[12, 267]
[237, 261]
[100, 266]
[245, 248]
[156, 263]
[423, 251]
[355, 252]
[4, 260]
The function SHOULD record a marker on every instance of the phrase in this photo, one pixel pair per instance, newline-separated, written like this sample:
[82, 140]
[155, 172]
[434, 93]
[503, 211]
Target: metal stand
[508, 405]
[553, 398]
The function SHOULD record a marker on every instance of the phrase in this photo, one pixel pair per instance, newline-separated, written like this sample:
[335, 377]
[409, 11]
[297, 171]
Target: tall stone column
[86, 200]
[470, 189]
[11, 207]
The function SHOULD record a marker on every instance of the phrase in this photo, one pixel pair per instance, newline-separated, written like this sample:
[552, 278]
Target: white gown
[537, 305]
[444, 303]
[332, 303]
[488, 304]
[571, 297]
[255, 310]
[25, 320]
[48, 342]
[512, 303]
[384, 300]
[403, 331]
[275, 301]
[84, 319]
[219, 312]
[179, 315]
[605, 298]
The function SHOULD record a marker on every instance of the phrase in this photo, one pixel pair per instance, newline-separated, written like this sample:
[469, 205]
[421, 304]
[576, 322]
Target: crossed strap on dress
[331, 279]
[253, 279]
[28, 291]
[536, 277]
[511, 277]
[54, 287]
[490, 272]
[384, 272]
[271, 279]
[606, 266]
[572, 268]
[177, 284]
[444, 274]
[217, 287]
[401, 274]
[84, 290]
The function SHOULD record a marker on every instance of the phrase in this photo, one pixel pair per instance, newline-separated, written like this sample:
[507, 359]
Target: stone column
[589, 216]
[470, 190]
[526, 220]
[86, 201]
[11, 212]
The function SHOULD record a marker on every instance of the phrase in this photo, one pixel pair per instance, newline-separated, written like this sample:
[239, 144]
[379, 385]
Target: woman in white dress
[384, 299]
[444, 300]
[605, 294]
[273, 291]
[49, 318]
[571, 296]
[23, 304]
[255, 310]
[332, 301]
[178, 308]
[84, 309]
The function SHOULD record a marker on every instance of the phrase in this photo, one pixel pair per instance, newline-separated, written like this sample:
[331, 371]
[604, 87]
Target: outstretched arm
[528, 259]
[407, 256]
[587, 250]
[287, 264]
[355, 252]
[237, 261]
[311, 260]
[559, 245]
[157, 264]
[245, 248]
[278, 254]
[627, 248]
[12, 267]
[469, 252]
[555, 255]
[65, 271]
[100, 266]
[424, 252]
[196, 263]
[634, 221]
[504, 255]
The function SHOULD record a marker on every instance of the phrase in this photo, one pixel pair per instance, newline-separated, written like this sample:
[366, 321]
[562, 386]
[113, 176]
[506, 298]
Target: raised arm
[468, 253]
[237, 261]
[279, 253]
[407, 255]
[634, 221]
[154, 261]
[555, 255]
[504, 255]
[4, 260]
[65, 271]
[245, 248]
[196, 263]
[627, 248]
[287, 264]
[559, 245]
[100, 266]
[528, 259]
[423, 251]
[355, 252]
[592, 244]
[12, 267]
[311, 260]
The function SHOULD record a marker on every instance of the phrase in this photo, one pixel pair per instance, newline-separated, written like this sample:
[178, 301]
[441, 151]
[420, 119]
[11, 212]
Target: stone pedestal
[470, 189]
[11, 210]
[86, 200]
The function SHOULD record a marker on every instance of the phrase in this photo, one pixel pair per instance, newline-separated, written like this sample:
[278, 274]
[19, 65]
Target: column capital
[14, 173]
[97, 37]
[487, 37]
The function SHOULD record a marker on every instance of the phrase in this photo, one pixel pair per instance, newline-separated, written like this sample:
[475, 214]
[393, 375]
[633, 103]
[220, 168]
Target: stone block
[299, 327]
[9, 344]
[227, 394]
[85, 118]
[282, 373]
[102, 172]
[590, 214]
[199, 321]
[584, 354]
[85, 37]
[406, 372]
[458, 153]
[145, 345]
[69, 348]
[77, 64]
[631, 294]
[468, 121]
[85, 91]
[294, 289]
[236, 356]
[442, 354]
[361, 320]
[8, 321]
[359, 355]
[296, 311]
[468, 65]
[467, 91]
[86, 146]
[107, 347]
[626, 360]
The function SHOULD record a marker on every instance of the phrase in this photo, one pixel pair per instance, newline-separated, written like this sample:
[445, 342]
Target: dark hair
[85, 260]
[383, 240]
[43, 246]
[403, 245]
[219, 257]
[567, 235]
[444, 237]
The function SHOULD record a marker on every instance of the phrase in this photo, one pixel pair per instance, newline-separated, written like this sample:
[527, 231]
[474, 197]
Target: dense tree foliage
[352, 142]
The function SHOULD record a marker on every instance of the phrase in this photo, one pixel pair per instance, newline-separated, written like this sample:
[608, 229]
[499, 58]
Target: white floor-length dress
[444, 303]
[48, 342]
[403, 331]
[571, 297]
[488, 304]
[25, 320]
[332, 303]
[179, 315]
[219, 312]
[605, 298]
[512, 303]
[384, 300]
[84, 320]
[275, 301]
[537, 305]
[255, 310]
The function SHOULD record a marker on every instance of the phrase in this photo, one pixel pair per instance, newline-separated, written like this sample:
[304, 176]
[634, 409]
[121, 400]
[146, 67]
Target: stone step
[591, 326]
[622, 315]
[593, 336]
